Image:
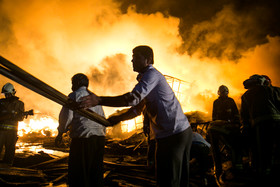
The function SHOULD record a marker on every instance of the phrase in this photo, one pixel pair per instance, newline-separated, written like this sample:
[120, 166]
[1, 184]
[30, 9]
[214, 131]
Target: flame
[49, 41]
[41, 125]
[128, 126]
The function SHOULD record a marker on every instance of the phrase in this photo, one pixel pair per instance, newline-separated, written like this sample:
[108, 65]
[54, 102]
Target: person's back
[13, 107]
[262, 103]
[83, 127]
[163, 108]
[224, 108]
[260, 116]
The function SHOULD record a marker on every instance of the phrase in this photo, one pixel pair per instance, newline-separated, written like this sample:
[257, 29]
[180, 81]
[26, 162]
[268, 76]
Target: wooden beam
[11, 71]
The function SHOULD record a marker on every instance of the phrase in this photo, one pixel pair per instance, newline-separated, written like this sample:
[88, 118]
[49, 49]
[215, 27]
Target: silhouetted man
[171, 127]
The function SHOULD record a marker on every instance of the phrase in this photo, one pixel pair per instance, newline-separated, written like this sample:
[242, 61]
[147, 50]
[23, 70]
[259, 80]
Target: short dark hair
[79, 80]
[146, 51]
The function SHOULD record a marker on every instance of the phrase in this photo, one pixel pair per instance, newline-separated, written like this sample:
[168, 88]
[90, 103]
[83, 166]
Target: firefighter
[225, 129]
[260, 117]
[11, 112]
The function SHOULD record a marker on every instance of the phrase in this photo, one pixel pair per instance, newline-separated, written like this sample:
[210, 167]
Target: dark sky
[242, 23]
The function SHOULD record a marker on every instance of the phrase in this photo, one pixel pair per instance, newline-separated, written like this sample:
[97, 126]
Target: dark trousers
[8, 138]
[172, 159]
[265, 144]
[151, 153]
[200, 152]
[86, 162]
[229, 135]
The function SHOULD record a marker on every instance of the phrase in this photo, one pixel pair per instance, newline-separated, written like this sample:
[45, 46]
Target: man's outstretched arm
[115, 101]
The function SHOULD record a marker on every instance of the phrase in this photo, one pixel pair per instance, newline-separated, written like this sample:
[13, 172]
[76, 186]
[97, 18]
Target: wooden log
[125, 165]
[48, 162]
[20, 171]
[59, 178]
[45, 90]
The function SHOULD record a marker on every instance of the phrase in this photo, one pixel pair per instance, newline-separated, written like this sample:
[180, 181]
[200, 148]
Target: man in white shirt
[88, 139]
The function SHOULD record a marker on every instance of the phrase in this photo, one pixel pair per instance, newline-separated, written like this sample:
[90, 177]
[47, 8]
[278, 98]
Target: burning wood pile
[124, 164]
[125, 159]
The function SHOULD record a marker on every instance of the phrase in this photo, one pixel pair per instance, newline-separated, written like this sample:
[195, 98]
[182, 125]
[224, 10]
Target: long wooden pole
[11, 71]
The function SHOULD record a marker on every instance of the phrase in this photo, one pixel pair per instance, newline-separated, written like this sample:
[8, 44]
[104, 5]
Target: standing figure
[260, 115]
[88, 139]
[11, 112]
[225, 129]
[171, 127]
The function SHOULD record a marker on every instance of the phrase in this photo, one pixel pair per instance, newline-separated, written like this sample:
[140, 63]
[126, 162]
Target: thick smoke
[205, 43]
[219, 28]
[113, 76]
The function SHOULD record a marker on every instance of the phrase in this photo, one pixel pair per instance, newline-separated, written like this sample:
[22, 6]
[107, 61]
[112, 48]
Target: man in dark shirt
[260, 117]
[225, 129]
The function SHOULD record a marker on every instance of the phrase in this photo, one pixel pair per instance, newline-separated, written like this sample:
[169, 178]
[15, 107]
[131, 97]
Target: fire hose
[15, 73]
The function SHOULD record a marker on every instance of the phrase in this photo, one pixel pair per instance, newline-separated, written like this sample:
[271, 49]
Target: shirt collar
[140, 75]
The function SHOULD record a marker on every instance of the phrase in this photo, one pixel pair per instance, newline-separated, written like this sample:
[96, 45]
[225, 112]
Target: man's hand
[89, 101]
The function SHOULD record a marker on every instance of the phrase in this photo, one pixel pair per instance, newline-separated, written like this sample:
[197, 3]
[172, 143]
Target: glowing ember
[41, 125]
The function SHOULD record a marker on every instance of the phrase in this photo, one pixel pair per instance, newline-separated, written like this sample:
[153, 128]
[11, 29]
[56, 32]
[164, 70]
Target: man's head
[253, 81]
[142, 56]
[9, 90]
[223, 91]
[78, 81]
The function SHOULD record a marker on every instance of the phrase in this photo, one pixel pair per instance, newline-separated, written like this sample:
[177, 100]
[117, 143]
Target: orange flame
[40, 125]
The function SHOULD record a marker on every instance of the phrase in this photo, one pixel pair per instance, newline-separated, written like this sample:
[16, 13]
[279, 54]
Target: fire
[128, 126]
[45, 39]
[41, 125]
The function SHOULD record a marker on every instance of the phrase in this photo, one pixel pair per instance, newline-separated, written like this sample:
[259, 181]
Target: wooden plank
[48, 162]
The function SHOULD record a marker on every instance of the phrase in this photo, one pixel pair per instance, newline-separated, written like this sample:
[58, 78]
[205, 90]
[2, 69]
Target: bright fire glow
[128, 126]
[42, 125]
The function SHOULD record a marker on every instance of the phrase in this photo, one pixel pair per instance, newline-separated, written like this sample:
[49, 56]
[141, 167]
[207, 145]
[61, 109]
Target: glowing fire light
[128, 126]
[41, 125]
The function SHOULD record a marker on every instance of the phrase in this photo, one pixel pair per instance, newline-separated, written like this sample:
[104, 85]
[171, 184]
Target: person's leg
[233, 140]
[95, 160]
[76, 169]
[2, 140]
[171, 153]
[151, 153]
[215, 150]
[186, 139]
[10, 147]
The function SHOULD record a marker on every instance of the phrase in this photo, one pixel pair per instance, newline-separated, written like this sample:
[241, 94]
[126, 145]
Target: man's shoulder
[78, 93]
[153, 72]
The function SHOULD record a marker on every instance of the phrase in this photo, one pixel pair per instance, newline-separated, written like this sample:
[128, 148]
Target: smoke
[220, 28]
[113, 76]
[205, 43]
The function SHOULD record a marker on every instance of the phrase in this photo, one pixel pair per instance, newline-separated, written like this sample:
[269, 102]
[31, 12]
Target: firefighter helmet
[267, 81]
[8, 88]
[223, 90]
[254, 80]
